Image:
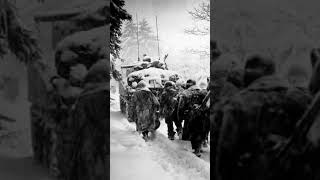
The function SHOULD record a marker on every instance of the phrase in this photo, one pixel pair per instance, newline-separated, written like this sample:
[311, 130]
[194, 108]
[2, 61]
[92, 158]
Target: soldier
[147, 110]
[180, 85]
[254, 123]
[199, 125]
[90, 126]
[298, 159]
[146, 58]
[226, 80]
[62, 100]
[187, 100]
[130, 107]
[168, 106]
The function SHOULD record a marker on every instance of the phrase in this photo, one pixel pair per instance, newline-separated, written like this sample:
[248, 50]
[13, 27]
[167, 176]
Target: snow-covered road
[131, 157]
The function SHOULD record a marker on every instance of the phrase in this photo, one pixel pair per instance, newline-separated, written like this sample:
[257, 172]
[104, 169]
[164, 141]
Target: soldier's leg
[196, 142]
[145, 135]
[177, 123]
[35, 113]
[185, 130]
[130, 111]
[205, 139]
[169, 123]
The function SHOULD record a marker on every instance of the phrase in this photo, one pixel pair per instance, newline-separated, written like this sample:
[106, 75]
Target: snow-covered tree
[201, 27]
[147, 40]
[118, 15]
[14, 37]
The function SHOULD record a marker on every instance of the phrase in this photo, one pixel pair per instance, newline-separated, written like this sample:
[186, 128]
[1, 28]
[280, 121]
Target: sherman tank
[154, 73]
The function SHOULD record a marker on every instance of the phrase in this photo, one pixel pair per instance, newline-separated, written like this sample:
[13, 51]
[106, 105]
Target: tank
[154, 73]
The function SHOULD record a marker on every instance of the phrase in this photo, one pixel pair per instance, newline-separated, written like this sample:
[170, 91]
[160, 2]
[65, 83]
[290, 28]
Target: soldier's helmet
[169, 84]
[261, 61]
[235, 77]
[146, 58]
[203, 85]
[190, 82]
[223, 65]
[142, 85]
[180, 83]
[99, 72]
[134, 84]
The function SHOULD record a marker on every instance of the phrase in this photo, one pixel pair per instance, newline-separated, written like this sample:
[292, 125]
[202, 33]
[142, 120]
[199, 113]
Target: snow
[131, 157]
[93, 40]
[153, 73]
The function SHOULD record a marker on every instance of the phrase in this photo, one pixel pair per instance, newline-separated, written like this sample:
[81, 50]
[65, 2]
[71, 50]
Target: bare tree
[200, 14]
[201, 26]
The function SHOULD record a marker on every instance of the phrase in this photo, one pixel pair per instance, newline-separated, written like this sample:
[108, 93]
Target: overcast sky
[173, 19]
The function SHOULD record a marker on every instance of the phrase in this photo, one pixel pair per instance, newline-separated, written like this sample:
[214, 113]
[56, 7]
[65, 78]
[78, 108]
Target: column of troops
[69, 113]
[183, 104]
[263, 123]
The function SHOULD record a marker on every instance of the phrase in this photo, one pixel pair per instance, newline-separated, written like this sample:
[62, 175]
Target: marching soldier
[147, 110]
[254, 123]
[168, 106]
[90, 126]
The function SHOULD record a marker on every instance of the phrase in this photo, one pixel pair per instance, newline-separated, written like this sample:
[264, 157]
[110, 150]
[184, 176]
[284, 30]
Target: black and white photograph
[54, 89]
[159, 98]
[265, 102]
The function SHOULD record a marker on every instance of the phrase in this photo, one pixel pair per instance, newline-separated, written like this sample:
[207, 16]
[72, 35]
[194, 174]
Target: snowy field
[131, 157]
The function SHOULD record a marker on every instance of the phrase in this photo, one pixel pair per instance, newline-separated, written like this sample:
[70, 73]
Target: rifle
[204, 101]
[164, 60]
[300, 133]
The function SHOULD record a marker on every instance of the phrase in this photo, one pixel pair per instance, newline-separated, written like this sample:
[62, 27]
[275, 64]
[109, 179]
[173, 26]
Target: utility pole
[138, 36]
[157, 37]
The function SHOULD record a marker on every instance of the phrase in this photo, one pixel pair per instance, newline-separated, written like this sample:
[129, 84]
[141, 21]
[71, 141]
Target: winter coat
[168, 102]
[188, 99]
[254, 122]
[146, 109]
[90, 127]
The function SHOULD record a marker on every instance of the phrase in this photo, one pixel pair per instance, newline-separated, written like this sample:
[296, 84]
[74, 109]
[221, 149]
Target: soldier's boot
[152, 135]
[171, 132]
[171, 135]
[145, 135]
[205, 143]
[179, 132]
[179, 128]
[197, 152]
